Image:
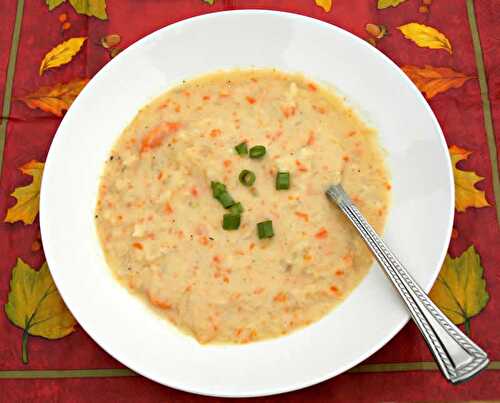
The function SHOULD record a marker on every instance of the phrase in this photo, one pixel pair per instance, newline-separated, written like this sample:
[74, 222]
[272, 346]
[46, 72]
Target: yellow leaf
[460, 290]
[381, 4]
[34, 305]
[92, 8]
[28, 197]
[466, 195]
[433, 80]
[425, 36]
[55, 99]
[61, 54]
[324, 4]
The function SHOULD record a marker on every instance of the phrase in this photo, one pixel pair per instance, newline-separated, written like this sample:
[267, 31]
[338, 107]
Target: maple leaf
[425, 36]
[55, 99]
[433, 80]
[92, 8]
[466, 194]
[34, 305]
[324, 4]
[62, 54]
[460, 290]
[28, 197]
[381, 4]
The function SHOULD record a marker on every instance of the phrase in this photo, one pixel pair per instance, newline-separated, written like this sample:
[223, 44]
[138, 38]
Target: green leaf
[95, 8]
[460, 290]
[211, 2]
[388, 3]
[54, 3]
[34, 305]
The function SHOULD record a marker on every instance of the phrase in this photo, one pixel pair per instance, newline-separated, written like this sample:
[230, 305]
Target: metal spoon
[458, 357]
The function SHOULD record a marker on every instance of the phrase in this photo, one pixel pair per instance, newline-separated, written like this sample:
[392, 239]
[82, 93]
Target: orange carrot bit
[307, 258]
[237, 332]
[167, 208]
[388, 186]
[346, 158]
[227, 163]
[217, 259]
[154, 138]
[350, 134]
[159, 303]
[180, 234]
[288, 111]
[347, 259]
[215, 132]
[160, 175]
[194, 191]
[204, 240]
[311, 139]
[339, 273]
[206, 97]
[226, 279]
[321, 234]
[334, 289]
[186, 93]
[280, 297]
[300, 166]
[303, 216]
[138, 245]
[311, 87]
[319, 109]
[252, 245]
[177, 108]
[188, 288]
[251, 100]
[380, 212]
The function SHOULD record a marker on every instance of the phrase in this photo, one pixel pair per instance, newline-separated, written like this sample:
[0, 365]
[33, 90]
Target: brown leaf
[55, 99]
[110, 41]
[434, 80]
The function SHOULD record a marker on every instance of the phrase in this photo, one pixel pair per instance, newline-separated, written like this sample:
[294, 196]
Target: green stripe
[11, 68]
[488, 120]
[120, 372]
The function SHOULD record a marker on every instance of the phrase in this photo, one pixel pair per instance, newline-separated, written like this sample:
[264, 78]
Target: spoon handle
[458, 357]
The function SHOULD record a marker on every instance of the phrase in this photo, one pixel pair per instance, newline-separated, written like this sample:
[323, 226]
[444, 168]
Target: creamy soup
[176, 171]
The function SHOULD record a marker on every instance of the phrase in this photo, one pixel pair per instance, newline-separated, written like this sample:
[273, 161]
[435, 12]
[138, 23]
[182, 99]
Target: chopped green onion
[236, 209]
[282, 180]
[225, 199]
[257, 151]
[242, 148]
[265, 229]
[231, 221]
[246, 177]
[217, 188]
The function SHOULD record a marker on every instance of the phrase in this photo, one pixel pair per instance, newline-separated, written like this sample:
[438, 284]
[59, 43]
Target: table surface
[450, 49]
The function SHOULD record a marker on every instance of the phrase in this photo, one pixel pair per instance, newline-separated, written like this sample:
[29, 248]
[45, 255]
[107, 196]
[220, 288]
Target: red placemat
[449, 48]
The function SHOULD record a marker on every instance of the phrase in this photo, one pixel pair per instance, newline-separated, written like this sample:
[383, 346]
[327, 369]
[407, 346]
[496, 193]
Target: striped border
[11, 68]
[363, 368]
[488, 120]
[125, 372]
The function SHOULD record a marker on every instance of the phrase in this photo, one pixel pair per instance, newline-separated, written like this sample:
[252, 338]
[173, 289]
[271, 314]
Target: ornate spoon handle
[458, 357]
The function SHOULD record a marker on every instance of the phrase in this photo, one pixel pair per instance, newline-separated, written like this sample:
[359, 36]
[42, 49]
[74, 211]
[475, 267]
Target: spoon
[458, 357]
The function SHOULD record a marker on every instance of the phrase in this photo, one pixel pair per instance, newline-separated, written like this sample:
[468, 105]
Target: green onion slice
[247, 178]
[257, 151]
[265, 229]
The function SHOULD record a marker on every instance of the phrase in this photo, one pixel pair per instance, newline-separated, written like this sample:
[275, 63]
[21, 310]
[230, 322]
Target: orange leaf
[434, 80]
[466, 194]
[62, 53]
[324, 4]
[425, 36]
[55, 99]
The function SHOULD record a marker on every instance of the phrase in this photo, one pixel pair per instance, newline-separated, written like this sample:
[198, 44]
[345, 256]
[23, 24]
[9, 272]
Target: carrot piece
[217, 259]
[339, 273]
[311, 139]
[215, 132]
[321, 234]
[158, 302]
[206, 97]
[227, 163]
[333, 288]
[138, 245]
[194, 191]
[304, 216]
[388, 186]
[154, 138]
[280, 297]
[311, 87]
[345, 158]
[288, 111]
[167, 208]
[300, 166]
[251, 100]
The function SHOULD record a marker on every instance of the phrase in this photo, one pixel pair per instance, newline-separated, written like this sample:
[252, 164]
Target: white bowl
[418, 227]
